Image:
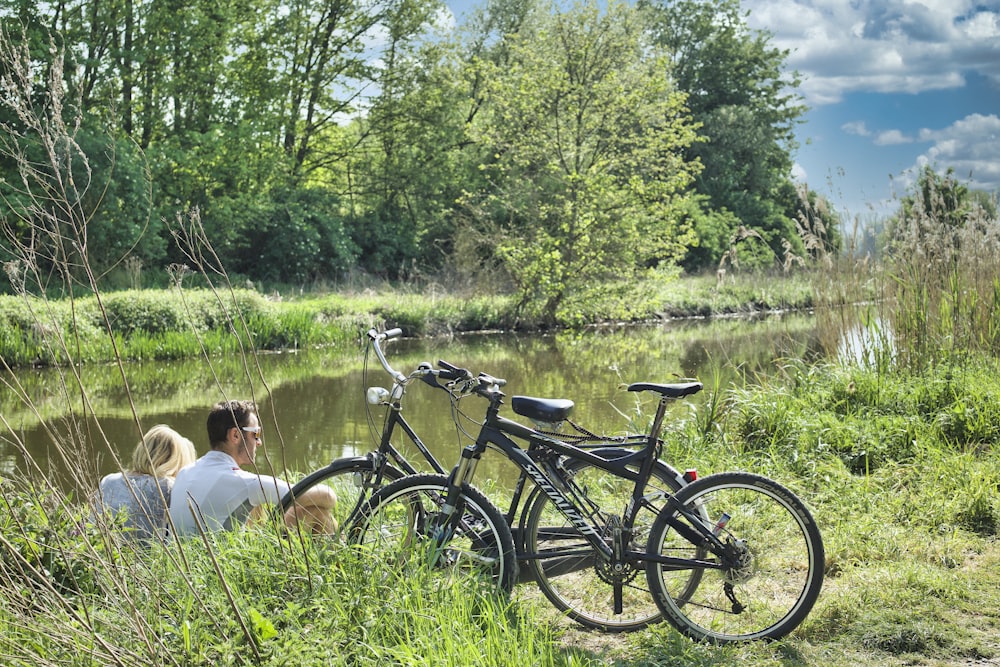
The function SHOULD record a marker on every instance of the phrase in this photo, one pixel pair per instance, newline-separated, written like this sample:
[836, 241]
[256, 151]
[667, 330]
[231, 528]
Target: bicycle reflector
[377, 395]
[690, 474]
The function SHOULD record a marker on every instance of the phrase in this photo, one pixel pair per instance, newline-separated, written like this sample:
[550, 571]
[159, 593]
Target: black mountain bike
[355, 479]
[728, 557]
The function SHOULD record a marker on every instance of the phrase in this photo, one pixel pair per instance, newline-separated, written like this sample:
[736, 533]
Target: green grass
[912, 571]
[248, 598]
[911, 535]
[179, 324]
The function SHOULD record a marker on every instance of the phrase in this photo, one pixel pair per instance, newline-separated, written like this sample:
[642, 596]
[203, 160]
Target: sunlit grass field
[895, 450]
[900, 470]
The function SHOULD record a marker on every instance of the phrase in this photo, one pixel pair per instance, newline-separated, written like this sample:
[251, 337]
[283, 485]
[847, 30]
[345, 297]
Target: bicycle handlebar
[376, 339]
[448, 371]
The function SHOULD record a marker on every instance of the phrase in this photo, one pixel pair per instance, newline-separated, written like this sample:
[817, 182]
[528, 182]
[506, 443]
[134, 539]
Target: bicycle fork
[461, 475]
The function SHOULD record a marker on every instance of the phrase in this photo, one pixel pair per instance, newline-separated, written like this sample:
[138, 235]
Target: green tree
[297, 237]
[406, 169]
[586, 136]
[308, 65]
[76, 193]
[744, 101]
[414, 158]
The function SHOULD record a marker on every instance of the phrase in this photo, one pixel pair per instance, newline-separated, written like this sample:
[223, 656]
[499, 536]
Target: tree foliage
[745, 102]
[586, 136]
[559, 144]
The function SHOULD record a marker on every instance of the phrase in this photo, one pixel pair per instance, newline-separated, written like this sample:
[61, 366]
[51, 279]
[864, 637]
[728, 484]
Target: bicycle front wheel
[353, 481]
[763, 581]
[567, 569]
[403, 525]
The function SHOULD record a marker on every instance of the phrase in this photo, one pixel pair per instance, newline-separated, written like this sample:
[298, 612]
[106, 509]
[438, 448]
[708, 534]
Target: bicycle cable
[373, 430]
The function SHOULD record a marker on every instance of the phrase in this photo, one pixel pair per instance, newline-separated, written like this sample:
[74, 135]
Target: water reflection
[312, 403]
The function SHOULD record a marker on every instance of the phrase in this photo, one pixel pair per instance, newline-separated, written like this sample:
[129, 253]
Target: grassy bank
[178, 324]
[900, 468]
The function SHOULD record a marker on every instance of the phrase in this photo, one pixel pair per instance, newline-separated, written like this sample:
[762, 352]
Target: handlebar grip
[451, 372]
[485, 378]
[393, 333]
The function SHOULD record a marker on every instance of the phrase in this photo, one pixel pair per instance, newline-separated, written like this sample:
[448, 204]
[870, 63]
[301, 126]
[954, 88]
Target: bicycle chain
[586, 435]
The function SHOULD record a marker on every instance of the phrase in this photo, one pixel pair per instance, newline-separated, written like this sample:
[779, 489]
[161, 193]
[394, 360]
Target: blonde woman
[143, 490]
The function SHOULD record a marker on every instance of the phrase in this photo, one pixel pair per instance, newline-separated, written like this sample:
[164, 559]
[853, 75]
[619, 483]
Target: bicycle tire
[772, 568]
[398, 525]
[352, 479]
[576, 584]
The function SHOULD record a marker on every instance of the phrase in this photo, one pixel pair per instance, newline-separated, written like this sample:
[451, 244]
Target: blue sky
[891, 85]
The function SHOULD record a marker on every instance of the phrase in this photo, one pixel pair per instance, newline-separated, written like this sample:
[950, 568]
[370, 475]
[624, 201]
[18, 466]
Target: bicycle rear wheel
[765, 579]
[403, 525]
[567, 569]
[352, 479]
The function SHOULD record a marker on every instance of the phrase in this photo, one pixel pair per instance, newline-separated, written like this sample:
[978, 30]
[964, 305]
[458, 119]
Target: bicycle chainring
[607, 573]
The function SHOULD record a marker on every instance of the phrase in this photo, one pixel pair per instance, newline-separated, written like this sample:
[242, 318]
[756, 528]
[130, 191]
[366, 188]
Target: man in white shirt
[215, 493]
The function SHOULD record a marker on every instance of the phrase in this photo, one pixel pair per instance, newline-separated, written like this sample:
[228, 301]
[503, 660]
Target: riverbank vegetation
[900, 469]
[182, 323]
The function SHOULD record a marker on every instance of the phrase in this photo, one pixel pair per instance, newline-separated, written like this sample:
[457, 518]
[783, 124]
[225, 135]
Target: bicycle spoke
[770, 566]
[404, 527]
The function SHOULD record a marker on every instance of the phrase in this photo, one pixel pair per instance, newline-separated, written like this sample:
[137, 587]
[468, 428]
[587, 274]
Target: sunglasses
[252, 429]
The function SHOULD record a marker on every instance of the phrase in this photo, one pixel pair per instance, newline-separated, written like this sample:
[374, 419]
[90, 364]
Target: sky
[891, 86]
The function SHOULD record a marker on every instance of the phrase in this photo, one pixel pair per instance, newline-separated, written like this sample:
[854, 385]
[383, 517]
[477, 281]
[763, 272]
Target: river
[69, 431]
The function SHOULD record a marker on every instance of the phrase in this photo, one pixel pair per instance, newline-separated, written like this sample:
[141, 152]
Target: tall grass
[902, 472]
[76, 595]
[944, 267]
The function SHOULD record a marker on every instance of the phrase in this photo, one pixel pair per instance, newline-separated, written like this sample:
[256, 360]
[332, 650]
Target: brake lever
[428, 376]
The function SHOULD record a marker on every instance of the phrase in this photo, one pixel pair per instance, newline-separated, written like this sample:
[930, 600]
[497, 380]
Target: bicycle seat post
[661, 411]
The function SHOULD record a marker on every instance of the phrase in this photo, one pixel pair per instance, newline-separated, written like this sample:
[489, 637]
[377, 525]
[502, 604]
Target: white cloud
[982, 26]
[892, 138]
[881, 45]
[799, 174]
[970, 146]
[856, 128]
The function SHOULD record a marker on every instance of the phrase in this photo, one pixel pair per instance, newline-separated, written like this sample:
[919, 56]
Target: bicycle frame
[389, 453]
[500, 432]
[386, 449]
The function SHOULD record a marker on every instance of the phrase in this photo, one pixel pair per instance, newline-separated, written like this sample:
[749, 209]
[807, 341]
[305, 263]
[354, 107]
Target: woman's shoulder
[114, 479]
[138, 481]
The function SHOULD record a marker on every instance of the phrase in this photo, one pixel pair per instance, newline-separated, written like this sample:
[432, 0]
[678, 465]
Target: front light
[377, 395]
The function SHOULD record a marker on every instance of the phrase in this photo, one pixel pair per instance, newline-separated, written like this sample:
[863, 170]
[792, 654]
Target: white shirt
[216, 493]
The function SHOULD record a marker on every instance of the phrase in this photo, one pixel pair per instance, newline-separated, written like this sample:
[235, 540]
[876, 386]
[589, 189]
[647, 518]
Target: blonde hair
[162, 452]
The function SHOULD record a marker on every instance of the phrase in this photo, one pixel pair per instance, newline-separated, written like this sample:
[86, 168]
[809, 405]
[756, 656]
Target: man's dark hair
[227, 415]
